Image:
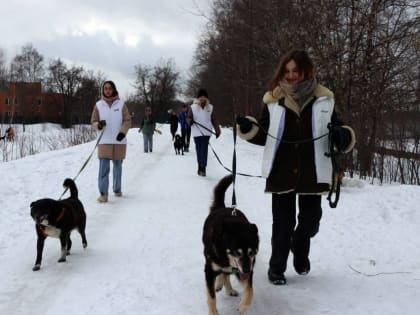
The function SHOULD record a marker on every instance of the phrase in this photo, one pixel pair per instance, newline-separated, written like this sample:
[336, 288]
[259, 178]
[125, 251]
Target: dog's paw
[36, 267]
[62, 260]
[243, 308]
[84, 245]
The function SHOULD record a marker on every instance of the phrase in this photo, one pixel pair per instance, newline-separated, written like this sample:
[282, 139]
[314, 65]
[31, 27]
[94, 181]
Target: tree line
[366, 52]
[157, 86]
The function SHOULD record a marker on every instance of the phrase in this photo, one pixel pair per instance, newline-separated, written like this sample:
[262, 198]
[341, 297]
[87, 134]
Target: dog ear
[253, 228]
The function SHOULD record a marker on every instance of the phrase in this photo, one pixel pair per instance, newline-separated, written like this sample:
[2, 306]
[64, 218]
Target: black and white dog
[230, 246]
[179, 144]
[57, 218]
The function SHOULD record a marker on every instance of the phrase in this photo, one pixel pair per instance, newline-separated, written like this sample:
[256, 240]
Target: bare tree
[28, 65]
[3, 70]
[157, 86]
[67, 81]
[365, 51]
[88, 93]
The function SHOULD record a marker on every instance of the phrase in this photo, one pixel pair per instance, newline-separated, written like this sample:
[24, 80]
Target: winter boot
[103, 198]
[276, 278]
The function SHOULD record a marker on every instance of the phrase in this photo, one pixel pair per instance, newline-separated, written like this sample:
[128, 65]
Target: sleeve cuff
[250, 134]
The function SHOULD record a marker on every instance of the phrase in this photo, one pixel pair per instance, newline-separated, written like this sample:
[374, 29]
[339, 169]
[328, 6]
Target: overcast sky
[103, 35]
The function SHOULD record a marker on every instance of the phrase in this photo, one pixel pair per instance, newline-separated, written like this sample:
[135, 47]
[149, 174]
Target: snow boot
[276, 278]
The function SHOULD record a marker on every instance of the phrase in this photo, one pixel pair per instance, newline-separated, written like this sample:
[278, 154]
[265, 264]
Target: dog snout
[246, 265]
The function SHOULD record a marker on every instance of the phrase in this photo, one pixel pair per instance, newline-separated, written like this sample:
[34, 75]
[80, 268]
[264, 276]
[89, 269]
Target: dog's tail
[69, 183]
[219, 192]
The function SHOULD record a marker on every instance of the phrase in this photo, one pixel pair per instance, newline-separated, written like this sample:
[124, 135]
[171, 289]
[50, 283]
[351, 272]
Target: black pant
[186, 135]
[201, 148]
[284, 222]
[173, 131]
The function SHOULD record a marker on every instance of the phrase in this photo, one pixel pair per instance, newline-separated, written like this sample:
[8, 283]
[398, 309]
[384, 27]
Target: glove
[340, 136]
[101, 124]
[139, 130]
[120, 136]
[245, 125]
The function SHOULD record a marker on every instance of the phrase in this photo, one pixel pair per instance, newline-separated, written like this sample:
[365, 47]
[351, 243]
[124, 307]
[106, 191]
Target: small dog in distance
[179, 145]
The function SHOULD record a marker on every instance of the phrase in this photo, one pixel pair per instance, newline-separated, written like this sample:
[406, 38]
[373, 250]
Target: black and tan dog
[230, 246]
[57, 218]
[179, 144]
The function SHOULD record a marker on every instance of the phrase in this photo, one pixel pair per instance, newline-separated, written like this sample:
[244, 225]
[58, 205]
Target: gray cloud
[103, 35]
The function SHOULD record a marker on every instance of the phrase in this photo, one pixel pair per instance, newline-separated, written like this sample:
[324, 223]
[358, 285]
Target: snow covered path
[144, 252]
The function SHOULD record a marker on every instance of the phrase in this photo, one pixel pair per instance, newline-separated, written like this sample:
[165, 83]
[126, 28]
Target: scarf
[299, 92]
[110, 100]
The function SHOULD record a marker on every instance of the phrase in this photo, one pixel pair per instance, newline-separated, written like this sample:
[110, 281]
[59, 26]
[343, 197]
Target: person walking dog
[185, 127]
[112, 119]
[297, 108]
[202, 120]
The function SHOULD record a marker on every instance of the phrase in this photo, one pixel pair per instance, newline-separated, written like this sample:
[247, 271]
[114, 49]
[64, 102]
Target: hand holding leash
[245, 125]
[120, 136]
[101, 124]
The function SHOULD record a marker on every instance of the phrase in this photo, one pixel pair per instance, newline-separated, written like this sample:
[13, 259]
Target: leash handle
[335, 183]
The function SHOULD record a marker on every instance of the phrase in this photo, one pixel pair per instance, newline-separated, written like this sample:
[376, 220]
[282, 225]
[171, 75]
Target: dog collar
[41, 229]
[233, 270]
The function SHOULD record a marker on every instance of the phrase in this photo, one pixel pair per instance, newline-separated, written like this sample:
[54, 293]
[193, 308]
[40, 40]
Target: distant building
[25, 102]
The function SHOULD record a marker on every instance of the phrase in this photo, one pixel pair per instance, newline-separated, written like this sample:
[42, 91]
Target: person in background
[173, 121]
[10, 134]
[147, 126]
[202, 120]
[185, 127]
[297, 108]
[111, 118]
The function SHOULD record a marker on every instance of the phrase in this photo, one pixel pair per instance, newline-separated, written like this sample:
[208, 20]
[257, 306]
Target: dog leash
[218, 158]
[234, 204]
[85, 163]
[335, 183]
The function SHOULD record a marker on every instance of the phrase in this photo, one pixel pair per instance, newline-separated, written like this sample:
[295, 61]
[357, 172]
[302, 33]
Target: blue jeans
[202, 149]
[103, 180]
[148, 142]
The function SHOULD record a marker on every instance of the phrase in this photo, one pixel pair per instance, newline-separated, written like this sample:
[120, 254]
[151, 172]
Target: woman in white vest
[202, 120]
[111, 117]
[296, 109]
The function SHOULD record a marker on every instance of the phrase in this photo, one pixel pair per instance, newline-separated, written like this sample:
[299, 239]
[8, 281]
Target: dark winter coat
[148, 125]
[293, 166]
[182, 117]
[173, 121]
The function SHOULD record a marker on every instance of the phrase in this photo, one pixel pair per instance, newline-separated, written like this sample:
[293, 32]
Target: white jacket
[113, 115]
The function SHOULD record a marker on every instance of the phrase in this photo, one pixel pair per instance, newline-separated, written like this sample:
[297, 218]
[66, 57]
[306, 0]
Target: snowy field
[145, 252]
